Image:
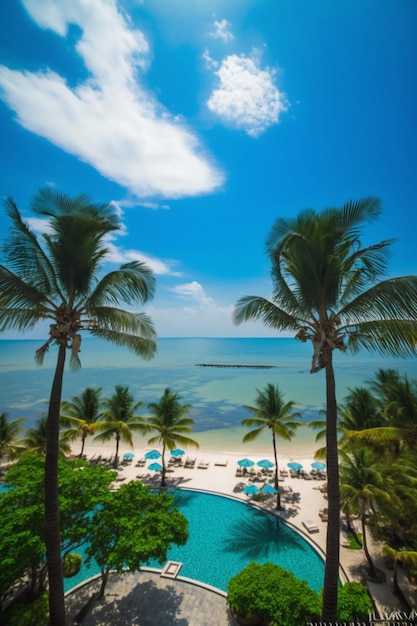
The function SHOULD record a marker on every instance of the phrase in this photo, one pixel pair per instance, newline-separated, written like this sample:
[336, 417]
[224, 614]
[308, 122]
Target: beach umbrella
[245, 463]
[156, 467]
[251, 490]
[265, 463]
[318, 465]
[295, 466]
[177, 452]
[269, 489]
[129, 456]
[152, 454]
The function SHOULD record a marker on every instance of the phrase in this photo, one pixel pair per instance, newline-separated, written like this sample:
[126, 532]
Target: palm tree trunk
[372, 570]
[82, 446]
[276, 483]
[116, 458]
[52, 528]
[163, 483]
[331, 573]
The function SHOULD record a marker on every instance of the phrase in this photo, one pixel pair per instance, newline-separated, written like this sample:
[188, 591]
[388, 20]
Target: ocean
[216, 394]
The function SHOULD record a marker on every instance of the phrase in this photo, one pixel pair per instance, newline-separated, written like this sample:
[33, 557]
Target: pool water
[224, 536]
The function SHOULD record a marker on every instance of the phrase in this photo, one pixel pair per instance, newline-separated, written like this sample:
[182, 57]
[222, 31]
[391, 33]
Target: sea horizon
[216, 395]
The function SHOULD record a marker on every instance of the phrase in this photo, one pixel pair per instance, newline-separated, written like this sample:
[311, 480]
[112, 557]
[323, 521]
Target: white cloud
[193, 291]
[158, 266]
[111, 121]
[246, 97]
[222, 31]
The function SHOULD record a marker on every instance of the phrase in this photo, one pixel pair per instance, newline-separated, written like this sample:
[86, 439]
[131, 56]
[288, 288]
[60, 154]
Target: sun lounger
[323, 513]
[222, 463]
[239, 471]
[203, 465]
[189, 462]
[311, 526]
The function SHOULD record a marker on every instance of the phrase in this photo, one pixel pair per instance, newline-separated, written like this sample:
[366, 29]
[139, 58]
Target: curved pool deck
[177, 601]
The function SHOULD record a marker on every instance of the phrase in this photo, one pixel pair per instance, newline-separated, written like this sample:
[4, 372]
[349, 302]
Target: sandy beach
[215, 470]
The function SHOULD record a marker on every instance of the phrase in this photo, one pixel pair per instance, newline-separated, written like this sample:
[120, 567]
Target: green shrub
[29, 613]
[353, 603]
[72, 564]
[268, 595]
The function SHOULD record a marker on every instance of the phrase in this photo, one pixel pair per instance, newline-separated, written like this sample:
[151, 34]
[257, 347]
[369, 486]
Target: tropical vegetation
[330, 290]
[9, 436]
[57, 277]
[273, 413]
[169, 419]
[82, 414]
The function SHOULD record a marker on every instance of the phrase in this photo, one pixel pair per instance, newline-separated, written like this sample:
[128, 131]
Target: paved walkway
[146, 599]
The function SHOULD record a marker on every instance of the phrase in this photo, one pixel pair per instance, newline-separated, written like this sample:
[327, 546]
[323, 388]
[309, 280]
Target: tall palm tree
[36, 439]
[365, 484]
[82, 414]
[9, 432]
[327, 290]
[168, 417]
[58, 277]
[119, 420]
[271, 411]
[407, 558]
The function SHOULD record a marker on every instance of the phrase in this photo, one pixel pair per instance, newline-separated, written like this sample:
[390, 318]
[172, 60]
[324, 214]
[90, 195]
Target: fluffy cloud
[246, 97]
[110, 121]
[222, 31]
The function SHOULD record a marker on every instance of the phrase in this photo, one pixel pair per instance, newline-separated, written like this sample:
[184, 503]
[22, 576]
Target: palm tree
[407, 558]
[327, 290]
[397, 398]
[119, 420]
[365, 484]
[9, 432]
[82, 413]
[168, 418]
[36, 439]
[57, 277]
[272, 412]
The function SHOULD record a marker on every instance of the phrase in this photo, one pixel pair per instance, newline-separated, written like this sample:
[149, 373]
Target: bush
[268, 595]
[353, 603]
[72, 564]
[28, 613]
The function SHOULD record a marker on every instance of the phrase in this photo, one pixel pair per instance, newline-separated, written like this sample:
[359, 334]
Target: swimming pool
[224, 536]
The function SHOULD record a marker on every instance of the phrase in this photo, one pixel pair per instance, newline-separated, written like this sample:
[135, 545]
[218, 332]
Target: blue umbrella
[177, 452]
[269, 489]
[318, 465]
[129, 455]
[152, 454]
[251, 490]
[245, 463]
[156, 467]
[295, 466]
[265, 463]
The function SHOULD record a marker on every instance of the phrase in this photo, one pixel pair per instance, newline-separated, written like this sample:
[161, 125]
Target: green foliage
[132, 526]
[354, 603]
[71, 564]
[270, 595]
[22, 546]
[28, 613]
[352, 542]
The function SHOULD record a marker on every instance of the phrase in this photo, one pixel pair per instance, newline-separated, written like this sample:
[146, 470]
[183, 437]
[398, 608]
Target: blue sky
[204, 121]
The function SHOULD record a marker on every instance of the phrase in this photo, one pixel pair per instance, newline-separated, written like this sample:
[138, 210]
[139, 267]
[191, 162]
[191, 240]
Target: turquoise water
[216, 395]
[225, 535]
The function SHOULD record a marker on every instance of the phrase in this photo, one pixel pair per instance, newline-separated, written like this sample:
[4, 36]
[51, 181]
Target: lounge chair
[311, 526]
[324, 514]
[239, 471]
[189, 462]
[203, 465]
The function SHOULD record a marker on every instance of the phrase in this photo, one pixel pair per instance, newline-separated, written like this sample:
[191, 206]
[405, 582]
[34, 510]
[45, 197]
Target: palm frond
[397, 338]
[146, 348]
[254, 308]
[112, 318]
[132, 283]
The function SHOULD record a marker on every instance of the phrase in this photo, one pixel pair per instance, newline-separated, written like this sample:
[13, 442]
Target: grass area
[352, 542]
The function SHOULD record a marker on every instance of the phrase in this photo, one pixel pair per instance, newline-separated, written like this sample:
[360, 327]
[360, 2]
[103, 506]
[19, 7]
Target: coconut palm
[364, 482]
[327, 290]
[272, 412]
[407, 558]
[82, 414]
[168, 417]
[397, 398]
[35, 439]
[58, 277]
[119, 419]
[9, 432]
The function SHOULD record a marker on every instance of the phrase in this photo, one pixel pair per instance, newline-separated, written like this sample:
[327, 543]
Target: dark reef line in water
[256, 367]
